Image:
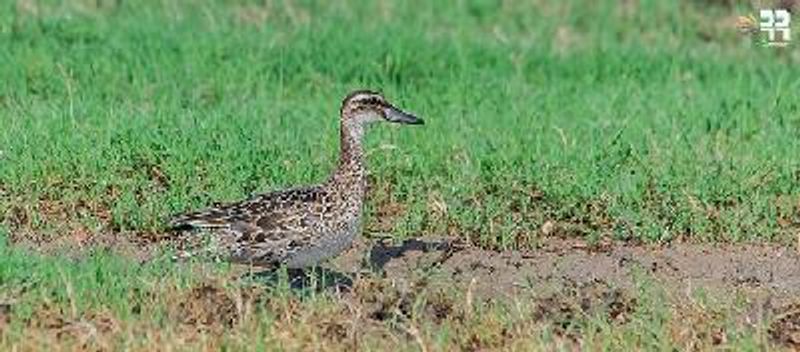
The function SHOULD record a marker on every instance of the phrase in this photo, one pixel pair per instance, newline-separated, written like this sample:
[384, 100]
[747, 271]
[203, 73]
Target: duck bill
[396, 115]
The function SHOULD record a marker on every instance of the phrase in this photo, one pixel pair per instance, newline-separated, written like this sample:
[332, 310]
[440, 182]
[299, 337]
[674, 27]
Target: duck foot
[310, 279]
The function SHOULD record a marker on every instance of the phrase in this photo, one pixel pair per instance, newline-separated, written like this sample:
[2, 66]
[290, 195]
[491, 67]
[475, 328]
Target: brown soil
[754, 270]
[90, 331]
[5, 316]
[785, 329]
[208, 307]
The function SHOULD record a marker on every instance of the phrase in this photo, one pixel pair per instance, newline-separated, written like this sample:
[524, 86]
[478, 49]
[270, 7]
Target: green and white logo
[776, 24]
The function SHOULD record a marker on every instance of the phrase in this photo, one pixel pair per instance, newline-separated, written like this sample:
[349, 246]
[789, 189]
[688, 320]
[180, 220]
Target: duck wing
[264, 218]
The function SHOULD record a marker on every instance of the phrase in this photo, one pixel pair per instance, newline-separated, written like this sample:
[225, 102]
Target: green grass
[651, 122]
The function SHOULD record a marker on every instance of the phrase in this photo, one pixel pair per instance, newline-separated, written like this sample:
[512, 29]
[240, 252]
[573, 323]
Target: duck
[303, 226]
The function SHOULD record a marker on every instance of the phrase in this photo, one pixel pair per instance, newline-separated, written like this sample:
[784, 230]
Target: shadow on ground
[383, 252]
[324, 278]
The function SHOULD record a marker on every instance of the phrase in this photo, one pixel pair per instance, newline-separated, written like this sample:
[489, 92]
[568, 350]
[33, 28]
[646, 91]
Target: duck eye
[372, 101]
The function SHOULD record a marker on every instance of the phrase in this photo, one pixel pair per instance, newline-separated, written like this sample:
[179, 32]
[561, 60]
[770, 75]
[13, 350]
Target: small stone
[548, 227]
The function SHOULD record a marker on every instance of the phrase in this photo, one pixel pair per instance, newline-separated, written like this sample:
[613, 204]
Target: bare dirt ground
[755, 270]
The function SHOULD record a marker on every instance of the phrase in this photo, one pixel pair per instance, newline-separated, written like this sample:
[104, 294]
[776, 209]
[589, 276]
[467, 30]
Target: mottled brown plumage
[302, 226]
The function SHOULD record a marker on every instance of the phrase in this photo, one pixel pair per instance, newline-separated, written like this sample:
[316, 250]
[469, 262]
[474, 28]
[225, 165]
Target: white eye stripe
[363, 100]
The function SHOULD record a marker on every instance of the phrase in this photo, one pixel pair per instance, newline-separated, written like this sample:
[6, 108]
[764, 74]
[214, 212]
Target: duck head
[364, 107]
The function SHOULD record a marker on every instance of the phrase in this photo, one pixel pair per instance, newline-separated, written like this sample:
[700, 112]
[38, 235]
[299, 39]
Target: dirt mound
[209, 308]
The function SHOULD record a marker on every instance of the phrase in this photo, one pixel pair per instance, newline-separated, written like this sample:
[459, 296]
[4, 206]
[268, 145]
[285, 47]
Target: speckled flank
[300, 227]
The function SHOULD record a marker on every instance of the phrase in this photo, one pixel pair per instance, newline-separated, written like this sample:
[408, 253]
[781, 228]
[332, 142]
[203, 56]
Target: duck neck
[350, 174]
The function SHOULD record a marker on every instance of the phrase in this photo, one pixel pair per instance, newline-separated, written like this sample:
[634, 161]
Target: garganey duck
[300, 227]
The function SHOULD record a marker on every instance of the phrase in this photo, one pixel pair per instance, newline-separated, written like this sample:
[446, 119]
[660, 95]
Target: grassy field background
[651, 120]
[632, 120]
